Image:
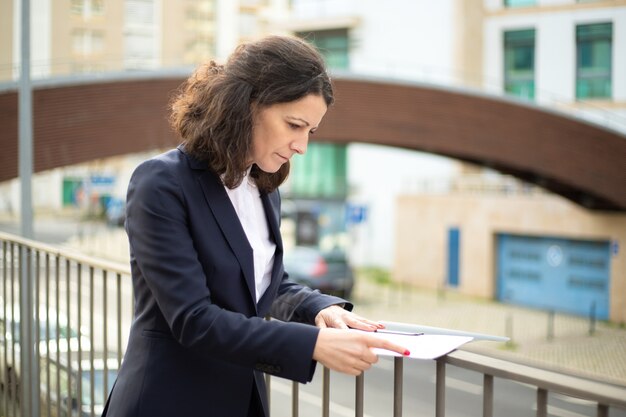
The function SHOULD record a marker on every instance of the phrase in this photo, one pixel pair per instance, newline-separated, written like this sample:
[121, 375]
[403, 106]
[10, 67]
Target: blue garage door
[564, 275]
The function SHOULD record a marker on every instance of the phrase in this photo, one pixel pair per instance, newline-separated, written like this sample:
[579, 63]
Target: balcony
[96, 298]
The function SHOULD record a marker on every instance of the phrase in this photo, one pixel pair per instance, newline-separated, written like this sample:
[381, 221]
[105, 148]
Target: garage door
[565, 275]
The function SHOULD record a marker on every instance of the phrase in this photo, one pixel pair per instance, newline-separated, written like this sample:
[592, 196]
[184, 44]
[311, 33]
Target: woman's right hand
[350, 352]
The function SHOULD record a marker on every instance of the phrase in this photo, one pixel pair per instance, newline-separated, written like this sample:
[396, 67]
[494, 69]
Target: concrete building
[562, 55]
[76, 37]
[94, 36]
[517, 245]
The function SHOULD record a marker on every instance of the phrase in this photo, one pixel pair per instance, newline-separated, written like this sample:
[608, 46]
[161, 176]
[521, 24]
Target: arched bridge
[80, 121]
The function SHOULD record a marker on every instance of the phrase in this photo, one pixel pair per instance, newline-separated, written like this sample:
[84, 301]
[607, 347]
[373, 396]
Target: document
[422, 346]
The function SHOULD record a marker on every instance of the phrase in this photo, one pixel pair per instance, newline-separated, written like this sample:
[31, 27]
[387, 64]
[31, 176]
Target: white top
[246, 200]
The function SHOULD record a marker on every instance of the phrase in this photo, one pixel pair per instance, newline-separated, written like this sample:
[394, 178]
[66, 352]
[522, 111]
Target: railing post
[603, 410]
[268, 389]
[542, 402]
[358, 404]
[398, 365]
[295, 391]
[29, 360]
[487, 395]
[326, 393]
[440, 395]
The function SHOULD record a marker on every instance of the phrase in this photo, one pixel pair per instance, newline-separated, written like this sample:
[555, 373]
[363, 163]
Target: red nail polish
[407, 353]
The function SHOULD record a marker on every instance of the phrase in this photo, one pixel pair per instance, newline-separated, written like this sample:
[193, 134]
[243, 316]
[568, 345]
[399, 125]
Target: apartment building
[566, 54]
[87, 36]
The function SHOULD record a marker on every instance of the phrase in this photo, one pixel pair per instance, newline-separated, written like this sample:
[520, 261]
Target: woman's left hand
[339, 318]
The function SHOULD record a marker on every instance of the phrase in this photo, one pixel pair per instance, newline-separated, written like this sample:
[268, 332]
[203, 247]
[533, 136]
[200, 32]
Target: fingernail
[407, 352]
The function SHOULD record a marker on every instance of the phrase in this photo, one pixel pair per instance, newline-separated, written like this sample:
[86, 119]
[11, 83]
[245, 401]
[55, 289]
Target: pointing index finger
[381, 343]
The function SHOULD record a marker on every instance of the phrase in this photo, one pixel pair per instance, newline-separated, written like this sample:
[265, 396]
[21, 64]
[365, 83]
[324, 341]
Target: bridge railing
[79, 333]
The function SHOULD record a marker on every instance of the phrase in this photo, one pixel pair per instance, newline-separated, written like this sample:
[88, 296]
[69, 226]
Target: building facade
[525, 248]
[94, 36]
[565, 54]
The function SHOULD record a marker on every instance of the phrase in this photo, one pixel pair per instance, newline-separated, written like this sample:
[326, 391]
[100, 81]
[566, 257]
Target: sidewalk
[571, 349]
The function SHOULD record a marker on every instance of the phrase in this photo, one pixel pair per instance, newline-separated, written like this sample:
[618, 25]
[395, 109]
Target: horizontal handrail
[600, 392]
[71, 255]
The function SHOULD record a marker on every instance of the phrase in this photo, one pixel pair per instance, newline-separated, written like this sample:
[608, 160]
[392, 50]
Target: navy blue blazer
[199, 344]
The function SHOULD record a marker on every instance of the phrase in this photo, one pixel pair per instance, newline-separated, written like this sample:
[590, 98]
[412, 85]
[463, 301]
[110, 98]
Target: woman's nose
[299, 146]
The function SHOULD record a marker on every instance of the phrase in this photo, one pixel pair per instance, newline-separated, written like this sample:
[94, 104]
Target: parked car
[69, 382]
[329, 272]
[115, 212]
[10, 342]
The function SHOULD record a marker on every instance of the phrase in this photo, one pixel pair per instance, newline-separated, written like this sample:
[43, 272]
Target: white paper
[427, 346]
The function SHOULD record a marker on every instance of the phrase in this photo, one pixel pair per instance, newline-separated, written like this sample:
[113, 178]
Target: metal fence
[74, 313]
[78, 333]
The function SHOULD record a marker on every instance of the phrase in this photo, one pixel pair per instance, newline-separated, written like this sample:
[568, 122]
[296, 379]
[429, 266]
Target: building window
[593, 60]
[519, 3]
[333, 44]
[519, 63]
[87, 8]
[87, 42]
[140, 34]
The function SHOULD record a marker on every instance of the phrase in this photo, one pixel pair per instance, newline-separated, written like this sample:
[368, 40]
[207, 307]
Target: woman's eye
[293, 126]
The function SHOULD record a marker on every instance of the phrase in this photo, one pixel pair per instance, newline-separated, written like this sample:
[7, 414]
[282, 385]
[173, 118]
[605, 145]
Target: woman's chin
[270, 168]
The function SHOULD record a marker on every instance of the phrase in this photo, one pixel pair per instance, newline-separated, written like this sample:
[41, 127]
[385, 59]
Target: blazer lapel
[271, 205]
[224, 212]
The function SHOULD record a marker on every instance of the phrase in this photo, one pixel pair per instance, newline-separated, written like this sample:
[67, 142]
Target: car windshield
[99, 391]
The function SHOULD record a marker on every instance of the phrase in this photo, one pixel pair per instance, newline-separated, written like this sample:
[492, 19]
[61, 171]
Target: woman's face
[283, 129]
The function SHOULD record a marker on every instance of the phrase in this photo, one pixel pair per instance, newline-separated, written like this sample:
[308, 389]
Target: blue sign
[356, 213]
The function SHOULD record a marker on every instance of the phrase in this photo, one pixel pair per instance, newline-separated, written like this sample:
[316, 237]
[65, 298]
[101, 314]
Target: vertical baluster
[603, 410]
[542, 402]
[35, 369]
[57, 303]
[92, 392]
[12, 375]
[29, 404]
[398, 370]
[487, 395]
[79, 358]
[326, 393]
[440, 395]
[68, 288]
[5, 329]
[295, 394]
[49, 342]
[118, 290]
[360, 385]
[268, 388]
[105, 344]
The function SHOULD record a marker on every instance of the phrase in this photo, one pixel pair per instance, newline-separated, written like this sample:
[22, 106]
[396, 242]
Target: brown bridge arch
[79, 121]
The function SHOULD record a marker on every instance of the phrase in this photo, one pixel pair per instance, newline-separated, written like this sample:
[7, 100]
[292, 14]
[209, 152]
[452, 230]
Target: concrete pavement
[562, 343]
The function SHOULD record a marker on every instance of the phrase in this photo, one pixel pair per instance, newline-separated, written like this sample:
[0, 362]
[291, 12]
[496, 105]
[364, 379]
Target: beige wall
[423, 222]
[64, 60]
[6, 39]
[172, 22]
[469, 16]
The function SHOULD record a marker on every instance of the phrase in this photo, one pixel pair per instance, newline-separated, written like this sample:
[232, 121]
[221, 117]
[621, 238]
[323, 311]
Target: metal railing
[85, 309]
[77, 329]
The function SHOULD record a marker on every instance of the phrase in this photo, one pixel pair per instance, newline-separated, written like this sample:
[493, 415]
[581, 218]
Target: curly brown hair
[213, 116]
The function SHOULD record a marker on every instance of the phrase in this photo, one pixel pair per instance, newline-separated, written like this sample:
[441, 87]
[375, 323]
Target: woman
[206, 251]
